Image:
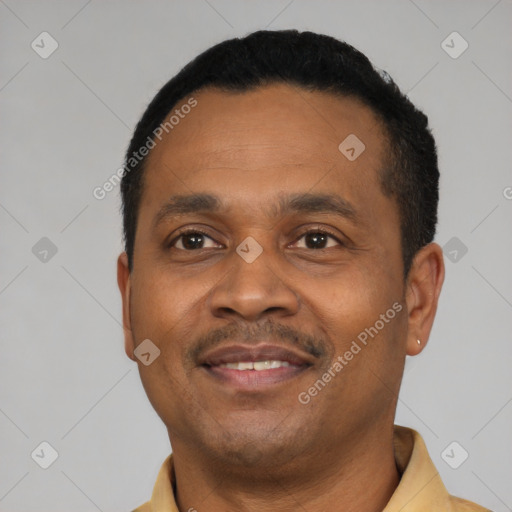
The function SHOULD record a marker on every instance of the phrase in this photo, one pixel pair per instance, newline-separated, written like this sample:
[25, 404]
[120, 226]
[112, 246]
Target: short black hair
[314, 62]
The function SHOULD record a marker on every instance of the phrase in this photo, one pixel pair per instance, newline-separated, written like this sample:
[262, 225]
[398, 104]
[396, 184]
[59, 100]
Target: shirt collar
[420, 488]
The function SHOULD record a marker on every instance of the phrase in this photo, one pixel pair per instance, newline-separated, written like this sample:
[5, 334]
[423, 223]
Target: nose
[253, 290]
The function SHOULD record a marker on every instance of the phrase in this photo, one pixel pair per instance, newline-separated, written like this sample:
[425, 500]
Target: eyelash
[322, 231]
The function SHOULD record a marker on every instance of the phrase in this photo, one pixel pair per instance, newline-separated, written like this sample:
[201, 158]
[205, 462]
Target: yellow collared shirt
[420, 488]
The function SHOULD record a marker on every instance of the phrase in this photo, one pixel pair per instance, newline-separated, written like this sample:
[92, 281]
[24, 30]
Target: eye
[195, 239]
[318, 239]
[192, 239]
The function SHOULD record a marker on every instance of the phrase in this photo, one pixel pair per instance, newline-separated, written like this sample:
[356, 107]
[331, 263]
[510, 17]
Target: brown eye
[192, 240]
[318, 240]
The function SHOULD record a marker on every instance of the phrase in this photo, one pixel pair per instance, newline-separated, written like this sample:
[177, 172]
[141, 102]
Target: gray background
[66, 121]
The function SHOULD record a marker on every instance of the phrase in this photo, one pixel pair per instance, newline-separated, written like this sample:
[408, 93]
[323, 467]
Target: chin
[263, 447]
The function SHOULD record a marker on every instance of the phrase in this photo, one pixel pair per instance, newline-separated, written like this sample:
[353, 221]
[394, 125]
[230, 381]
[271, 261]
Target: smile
[256, 365]
[251, 368]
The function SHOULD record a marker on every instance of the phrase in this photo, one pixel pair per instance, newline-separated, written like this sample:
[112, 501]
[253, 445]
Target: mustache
[252, 334]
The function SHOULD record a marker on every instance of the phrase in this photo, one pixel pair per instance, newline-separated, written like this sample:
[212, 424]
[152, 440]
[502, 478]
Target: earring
[419, 342]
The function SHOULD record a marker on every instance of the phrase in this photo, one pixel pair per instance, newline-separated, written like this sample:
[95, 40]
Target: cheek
[362, 313]
[161, 304]
[366, 327]
[351, 298]
[160, 312]
[161, 309]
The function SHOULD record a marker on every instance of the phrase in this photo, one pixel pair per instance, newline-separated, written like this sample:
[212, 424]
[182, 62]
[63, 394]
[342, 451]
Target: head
[307, 185]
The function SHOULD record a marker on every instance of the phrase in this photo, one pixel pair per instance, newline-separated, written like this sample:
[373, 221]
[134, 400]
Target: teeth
[258, 365]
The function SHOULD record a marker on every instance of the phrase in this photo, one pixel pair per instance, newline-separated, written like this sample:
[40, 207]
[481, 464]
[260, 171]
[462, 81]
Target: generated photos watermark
[343, 360]
[100, 192]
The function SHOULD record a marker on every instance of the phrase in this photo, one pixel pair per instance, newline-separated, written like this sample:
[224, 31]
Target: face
[268, 272]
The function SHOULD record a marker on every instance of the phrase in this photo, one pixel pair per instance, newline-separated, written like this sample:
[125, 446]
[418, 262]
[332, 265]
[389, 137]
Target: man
[280, 201]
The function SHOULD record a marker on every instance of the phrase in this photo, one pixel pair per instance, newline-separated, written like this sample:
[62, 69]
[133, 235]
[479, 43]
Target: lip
[253, 379]
[262, 352]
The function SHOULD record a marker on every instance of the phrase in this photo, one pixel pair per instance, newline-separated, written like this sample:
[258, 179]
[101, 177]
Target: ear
[424, 284]
[123, 281]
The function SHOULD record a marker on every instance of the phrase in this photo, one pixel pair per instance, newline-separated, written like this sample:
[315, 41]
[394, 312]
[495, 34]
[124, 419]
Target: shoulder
[460, 505]
[146, 507]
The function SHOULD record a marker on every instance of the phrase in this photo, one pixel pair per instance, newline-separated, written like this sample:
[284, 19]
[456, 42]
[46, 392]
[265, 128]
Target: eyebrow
[294, 203]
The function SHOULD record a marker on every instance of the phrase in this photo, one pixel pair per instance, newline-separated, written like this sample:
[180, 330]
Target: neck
[361, 478]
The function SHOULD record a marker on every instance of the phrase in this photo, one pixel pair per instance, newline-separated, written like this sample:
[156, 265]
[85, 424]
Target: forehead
[284, 120]
[278, 138]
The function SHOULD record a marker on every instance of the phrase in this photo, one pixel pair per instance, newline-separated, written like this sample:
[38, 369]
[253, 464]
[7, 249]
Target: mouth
[255, 367]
